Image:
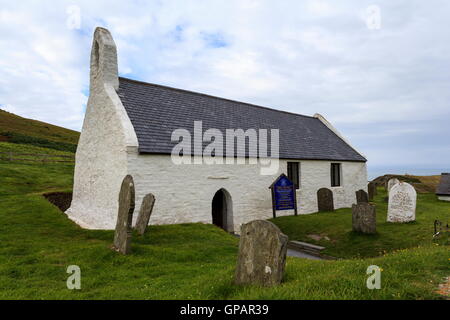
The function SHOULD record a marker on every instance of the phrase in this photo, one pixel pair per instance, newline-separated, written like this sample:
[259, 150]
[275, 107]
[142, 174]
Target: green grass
[38, 142]
[29, 149]
[22, 178]
[344, 243]
[188, 261]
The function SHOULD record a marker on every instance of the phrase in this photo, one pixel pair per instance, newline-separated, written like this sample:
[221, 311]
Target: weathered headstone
[144, 213]
[402, 203]
[325, 200]
[392, 182]
[122, 236]
[262, 254]
[364, 218]
[362, 196]
[372, 190]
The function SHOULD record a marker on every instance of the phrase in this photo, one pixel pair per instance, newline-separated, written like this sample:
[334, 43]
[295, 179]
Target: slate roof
[443, 188]
[156, 111]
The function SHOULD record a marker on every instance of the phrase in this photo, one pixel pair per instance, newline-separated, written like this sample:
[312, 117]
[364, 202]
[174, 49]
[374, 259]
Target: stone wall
[107, 152]
[106, 136]
[184, 193]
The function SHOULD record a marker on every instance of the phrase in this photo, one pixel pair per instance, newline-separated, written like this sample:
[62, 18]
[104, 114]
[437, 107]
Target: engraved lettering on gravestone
[402, 203]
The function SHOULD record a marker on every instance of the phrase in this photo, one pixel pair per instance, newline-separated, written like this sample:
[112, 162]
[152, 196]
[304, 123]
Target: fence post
[10, 156]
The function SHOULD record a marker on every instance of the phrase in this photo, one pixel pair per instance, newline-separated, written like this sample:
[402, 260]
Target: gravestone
[144, 213]
[402, 203]
[325, 200]
[362, 196]
[364, 218]
[392, 182]
[262, 254]
[122, 236]
[372, 190]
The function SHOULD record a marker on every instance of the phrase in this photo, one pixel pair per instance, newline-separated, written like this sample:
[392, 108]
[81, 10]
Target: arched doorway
[222, 215]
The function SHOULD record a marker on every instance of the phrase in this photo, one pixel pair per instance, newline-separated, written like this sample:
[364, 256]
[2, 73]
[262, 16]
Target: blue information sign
[283, 193]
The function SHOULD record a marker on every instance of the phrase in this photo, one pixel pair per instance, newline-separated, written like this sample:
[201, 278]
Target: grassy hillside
[188, 261]
[423, 184]
[18, 130]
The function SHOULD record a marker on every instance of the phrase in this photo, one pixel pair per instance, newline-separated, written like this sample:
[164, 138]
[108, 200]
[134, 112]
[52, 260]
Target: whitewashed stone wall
[107, 152]
[184, 193]
[107, 134]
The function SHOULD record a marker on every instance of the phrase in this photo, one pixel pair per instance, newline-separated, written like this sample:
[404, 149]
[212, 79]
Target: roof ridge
[216, 97]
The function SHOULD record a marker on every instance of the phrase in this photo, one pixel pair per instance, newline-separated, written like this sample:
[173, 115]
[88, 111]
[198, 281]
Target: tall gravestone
[122, 236]
[392, 182]
[144, 213]
[402, 203]
[364, 218]
[372, 190]
[362, 196]
[262, 254]
[325, 200]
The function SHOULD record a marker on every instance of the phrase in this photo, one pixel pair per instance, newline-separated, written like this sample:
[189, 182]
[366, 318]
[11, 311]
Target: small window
[335, 174]
[294, 173]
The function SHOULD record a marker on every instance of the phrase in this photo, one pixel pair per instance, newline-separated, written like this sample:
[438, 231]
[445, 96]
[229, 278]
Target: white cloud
[305, 57]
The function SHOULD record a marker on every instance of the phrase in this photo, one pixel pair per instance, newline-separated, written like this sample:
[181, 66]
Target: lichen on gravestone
[362, 196]
[392, 182]
[364, 218]
[372, 190]
[145, 213]
[325, 200]
[122, 235]
[262, 254]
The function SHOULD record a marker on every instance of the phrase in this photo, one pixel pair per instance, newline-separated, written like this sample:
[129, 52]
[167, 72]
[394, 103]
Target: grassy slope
[10, 122]
[347, 244]
[427, 183]
[169, 262]
[26, 151]
[424, 184]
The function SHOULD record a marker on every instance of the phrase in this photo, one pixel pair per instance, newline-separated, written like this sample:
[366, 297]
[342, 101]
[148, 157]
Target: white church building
[128, 129]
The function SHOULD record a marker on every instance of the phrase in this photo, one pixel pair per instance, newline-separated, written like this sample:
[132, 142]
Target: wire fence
[33, 157]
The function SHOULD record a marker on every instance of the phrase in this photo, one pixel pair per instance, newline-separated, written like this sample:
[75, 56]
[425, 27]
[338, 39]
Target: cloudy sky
[378, 70]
